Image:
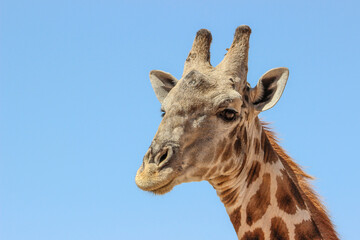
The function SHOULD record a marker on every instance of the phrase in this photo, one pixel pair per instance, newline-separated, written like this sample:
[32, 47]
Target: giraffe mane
[301, 179]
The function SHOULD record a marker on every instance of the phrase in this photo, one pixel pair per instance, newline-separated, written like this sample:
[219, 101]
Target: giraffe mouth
[157, 189]
[164, 189]
[149, 178]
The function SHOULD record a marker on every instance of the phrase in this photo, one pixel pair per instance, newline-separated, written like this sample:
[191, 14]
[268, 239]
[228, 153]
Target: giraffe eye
[228, 115]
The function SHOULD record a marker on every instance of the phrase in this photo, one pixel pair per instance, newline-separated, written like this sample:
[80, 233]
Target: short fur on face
[194, 125]
[201, 110]
[192, 122]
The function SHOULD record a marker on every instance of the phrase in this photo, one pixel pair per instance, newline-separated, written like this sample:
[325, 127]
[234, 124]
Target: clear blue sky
[77, 111]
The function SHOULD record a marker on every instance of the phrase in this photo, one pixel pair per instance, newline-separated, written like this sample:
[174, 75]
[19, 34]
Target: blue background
[77, 111]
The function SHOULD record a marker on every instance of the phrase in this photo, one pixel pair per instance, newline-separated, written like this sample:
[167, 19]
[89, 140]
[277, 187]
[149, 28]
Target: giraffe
[211, 131]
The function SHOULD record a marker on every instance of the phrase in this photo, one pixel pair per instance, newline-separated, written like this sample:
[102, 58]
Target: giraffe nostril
[163, 157]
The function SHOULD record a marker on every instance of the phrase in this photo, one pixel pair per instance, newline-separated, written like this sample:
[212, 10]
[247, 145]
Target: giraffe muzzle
[157, 173]
[159, 157]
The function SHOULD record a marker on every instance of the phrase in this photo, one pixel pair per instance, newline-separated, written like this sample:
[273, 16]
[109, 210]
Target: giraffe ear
[269, 88]
[162, 83]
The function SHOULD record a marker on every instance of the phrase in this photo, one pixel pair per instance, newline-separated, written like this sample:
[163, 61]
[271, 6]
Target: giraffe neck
[262, 198]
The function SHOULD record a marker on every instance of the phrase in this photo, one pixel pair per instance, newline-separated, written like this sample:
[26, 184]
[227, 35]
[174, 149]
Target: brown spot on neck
[307, 230]
[278, 228]
[288, 195]
[235, 218]
[253, 173]
[257, 234]
[270, 155]
[259, 202]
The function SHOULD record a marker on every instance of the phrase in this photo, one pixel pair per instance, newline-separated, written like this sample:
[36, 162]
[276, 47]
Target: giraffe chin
[164, 189]
[158, 189]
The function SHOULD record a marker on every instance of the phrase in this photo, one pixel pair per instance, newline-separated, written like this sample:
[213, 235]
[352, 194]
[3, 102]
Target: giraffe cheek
[177, 133]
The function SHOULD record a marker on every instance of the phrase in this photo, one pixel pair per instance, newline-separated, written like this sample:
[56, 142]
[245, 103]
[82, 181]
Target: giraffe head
[205, 115]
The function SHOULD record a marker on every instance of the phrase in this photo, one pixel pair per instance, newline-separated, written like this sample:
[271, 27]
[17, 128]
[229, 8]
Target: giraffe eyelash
[162, 113]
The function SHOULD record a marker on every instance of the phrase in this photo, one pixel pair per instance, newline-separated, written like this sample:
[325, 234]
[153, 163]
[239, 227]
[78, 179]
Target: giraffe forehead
[200, 92]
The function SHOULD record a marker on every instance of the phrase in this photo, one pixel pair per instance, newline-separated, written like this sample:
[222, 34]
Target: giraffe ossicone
[211, 131]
